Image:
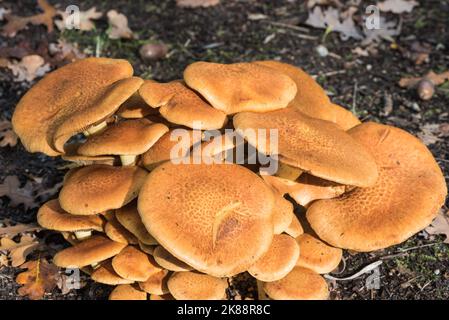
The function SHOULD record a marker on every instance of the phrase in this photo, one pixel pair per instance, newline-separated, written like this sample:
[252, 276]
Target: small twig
[404, 251]
[304, 36]
[354, 97]
[364, 270]
[330, 73]
[286, 25]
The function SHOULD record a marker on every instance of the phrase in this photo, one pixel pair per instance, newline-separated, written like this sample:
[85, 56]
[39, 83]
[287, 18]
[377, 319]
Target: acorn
[153, 51]
[425, 89]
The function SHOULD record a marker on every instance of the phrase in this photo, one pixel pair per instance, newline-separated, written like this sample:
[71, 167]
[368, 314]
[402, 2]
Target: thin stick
[286, 25]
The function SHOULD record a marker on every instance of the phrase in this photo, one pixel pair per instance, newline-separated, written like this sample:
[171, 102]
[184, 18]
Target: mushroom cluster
[146, 213]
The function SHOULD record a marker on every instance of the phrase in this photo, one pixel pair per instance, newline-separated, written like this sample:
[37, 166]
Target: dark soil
[224, 33]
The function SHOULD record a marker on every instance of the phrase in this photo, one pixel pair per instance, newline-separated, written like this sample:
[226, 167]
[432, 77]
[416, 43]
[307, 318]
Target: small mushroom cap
[167, 261]
[162, 150]
[105, 274]
[69, 99]
[181, 105]
[129, 217]
[192, 285]
[294, 229]
[156, 283]
[51, 216]
[148, 249]
[217, 145]
[216, 218]
[71, 154]
[406, 197]
[90, 251]
[239, 87]
[127, 292]
[135, 108]
[311, 99]
[316, 146]
[133, 264]
[282, 214]
[316, 255]
[97, 188]
[129, 137]
[278, 261]
[299, 284]
[116, 232]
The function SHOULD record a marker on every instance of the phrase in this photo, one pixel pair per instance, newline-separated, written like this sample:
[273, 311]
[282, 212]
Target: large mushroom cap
[88, 252]
[240, 87]
[181, 105]
[299, 284]
[51, 216]
[130, 137]
[69, 100]
[172, 145]
[196, 286]
[216, 218]
[133, 264]
[311, 99]
[97, 188]
[278, 261]
[404, 200]
[316, 255]
[317, 146]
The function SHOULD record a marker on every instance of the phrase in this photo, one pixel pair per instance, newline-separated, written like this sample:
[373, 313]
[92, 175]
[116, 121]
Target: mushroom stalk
[128, 160]
[95, 129]
[83, 234]
[261, 295]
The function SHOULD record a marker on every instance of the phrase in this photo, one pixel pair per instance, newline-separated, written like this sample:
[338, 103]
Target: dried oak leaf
[436, 79]
[85, 19]
[196, 3]
[334, 20]
[397, 6]
[12, 231]
[29, 68]
[440, 225]
[40, 277]
[18, 251]
[64, 52]
[387, 32]
[17, 23]
[118, 23]
[7, 136]
[11, 189]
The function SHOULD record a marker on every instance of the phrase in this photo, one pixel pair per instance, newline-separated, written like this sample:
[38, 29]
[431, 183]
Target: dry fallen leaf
[387, 32]
[64, 52]
[12, 231]
[196, 3]
[11, 188]
[85, 19]
[440, 225]
[18, 251]
[397, 6]
[334, 20]
[7, 136]
[436, 79]
[433, 132]
[17, 23]
[118, 26]
[4, 12]
[40, 277]
[29, 68]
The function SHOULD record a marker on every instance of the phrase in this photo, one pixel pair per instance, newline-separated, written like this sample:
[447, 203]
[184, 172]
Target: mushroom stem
[128, 160]
[288, 172]
[261, 295]
[95, 128]
[83, 234]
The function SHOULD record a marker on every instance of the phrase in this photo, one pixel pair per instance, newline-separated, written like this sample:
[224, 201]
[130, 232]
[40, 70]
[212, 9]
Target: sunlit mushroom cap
[192, 285]
[135, 108]
[127, 292]
[71, 154]
[316, 255]
[97, 188]
[299, 284]
[278, 261]
[90, 251]
[51, 216]
[105, 274]
[167, 261]
[115, 231]
[239, 87]
[311, 99]
[216, 218]
[179, 144]
[129, 217]
[295, 228]
[406, 197]
[316, 146]
[156, 283]
[133, 264]
[129, 137]
[181, 105]
[70, 99]
[282, 213]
